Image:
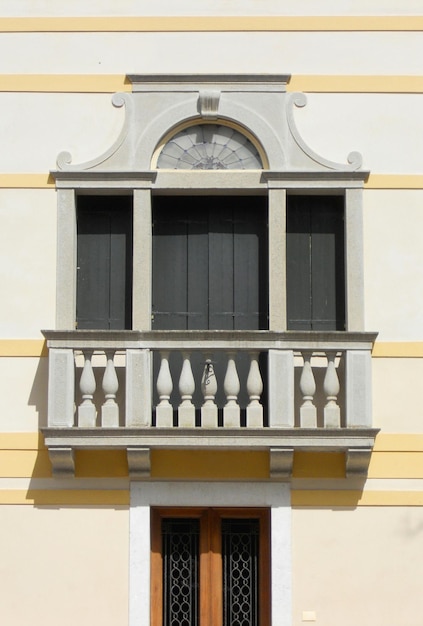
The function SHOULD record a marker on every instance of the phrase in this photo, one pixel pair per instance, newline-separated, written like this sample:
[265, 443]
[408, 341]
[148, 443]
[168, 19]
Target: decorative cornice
[192, 82]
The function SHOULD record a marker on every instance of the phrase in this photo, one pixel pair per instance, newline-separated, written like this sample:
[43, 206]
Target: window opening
[315, 263]
[104, 262]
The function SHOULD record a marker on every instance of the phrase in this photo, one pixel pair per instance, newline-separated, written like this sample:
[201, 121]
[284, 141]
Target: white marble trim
[146, 495]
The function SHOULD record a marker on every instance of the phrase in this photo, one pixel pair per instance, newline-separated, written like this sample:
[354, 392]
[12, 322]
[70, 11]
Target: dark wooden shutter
[315, 263]
[209, 263]
[104, 281]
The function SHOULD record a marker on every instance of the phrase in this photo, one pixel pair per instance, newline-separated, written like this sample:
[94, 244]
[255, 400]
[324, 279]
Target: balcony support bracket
[357, 462]
[62, 461]
[281, 462]
[139, 463]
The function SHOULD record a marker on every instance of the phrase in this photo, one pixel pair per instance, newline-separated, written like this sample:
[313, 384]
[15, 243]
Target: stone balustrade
[109, 385]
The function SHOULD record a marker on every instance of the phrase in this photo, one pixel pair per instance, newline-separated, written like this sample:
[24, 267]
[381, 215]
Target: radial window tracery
[209, 147]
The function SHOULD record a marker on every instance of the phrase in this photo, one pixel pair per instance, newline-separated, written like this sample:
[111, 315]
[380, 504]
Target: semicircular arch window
[209, 147]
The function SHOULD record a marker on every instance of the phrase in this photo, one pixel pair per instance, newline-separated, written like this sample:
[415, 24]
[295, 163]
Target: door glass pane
[240, 557]
[180, 571]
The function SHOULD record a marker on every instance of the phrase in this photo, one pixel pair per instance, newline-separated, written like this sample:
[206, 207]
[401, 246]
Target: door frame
[273, 496]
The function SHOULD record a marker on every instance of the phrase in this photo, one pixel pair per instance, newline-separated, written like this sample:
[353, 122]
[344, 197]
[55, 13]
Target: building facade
[211, 322]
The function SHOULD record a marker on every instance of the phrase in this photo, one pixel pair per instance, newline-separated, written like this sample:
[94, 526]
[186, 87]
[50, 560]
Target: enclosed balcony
[262, 390]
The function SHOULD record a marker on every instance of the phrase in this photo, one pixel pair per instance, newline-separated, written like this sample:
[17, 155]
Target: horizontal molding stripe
[64, 83]
[110, 83]
[394, 181]
[375, 181]
[230, 23]
[396, 464]
[355, 83]
[398, 349]
[66, 497]
[354, 498]
[385, 442]
[23, 348]
[26, 181]
[299, 498]
[392, 442]
[22, 441]
[38, 347]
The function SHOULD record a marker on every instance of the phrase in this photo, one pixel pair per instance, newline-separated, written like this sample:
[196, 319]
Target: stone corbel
[62, 462]
[281, 462]
[357, 462]
[208, 104]
[139, 463]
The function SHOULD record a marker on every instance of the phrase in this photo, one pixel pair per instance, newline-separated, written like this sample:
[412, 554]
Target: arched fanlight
[209, 147]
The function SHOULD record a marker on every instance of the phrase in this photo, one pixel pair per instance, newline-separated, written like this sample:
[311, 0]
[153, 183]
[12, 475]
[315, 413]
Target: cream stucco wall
[158, 52]
[27, 260]
[64, 565]
[358, 566]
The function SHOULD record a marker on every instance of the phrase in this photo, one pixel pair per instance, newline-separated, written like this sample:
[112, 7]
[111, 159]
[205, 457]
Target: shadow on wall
[38, 397]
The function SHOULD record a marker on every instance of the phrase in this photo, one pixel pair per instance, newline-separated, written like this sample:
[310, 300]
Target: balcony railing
[209, 389]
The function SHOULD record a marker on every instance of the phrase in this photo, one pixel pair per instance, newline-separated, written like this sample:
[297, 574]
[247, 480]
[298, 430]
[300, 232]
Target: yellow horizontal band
[299, 498]
[23, 347]
[394, 181]
[26, 181]
[38, 347]
[65, 497]
[398, 349]
[110, 83]
[356, 84]
[65, 83]
[22, 441]
[396, 465]
[375, 181]
[263, 23]
[390, 442]
[354, 498]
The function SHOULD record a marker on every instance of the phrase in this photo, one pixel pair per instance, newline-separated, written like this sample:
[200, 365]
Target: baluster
[231, 386]
[87, 414]
[308, 412]
[110, 409]
[164, 410]
[209, 389]
[332, 413]
[254, 390]
[186, 410]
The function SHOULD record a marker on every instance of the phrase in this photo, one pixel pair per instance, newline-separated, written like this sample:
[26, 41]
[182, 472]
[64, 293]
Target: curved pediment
[209, 122]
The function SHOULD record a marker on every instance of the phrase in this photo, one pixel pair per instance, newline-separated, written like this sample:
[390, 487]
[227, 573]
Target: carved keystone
[208, 104]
